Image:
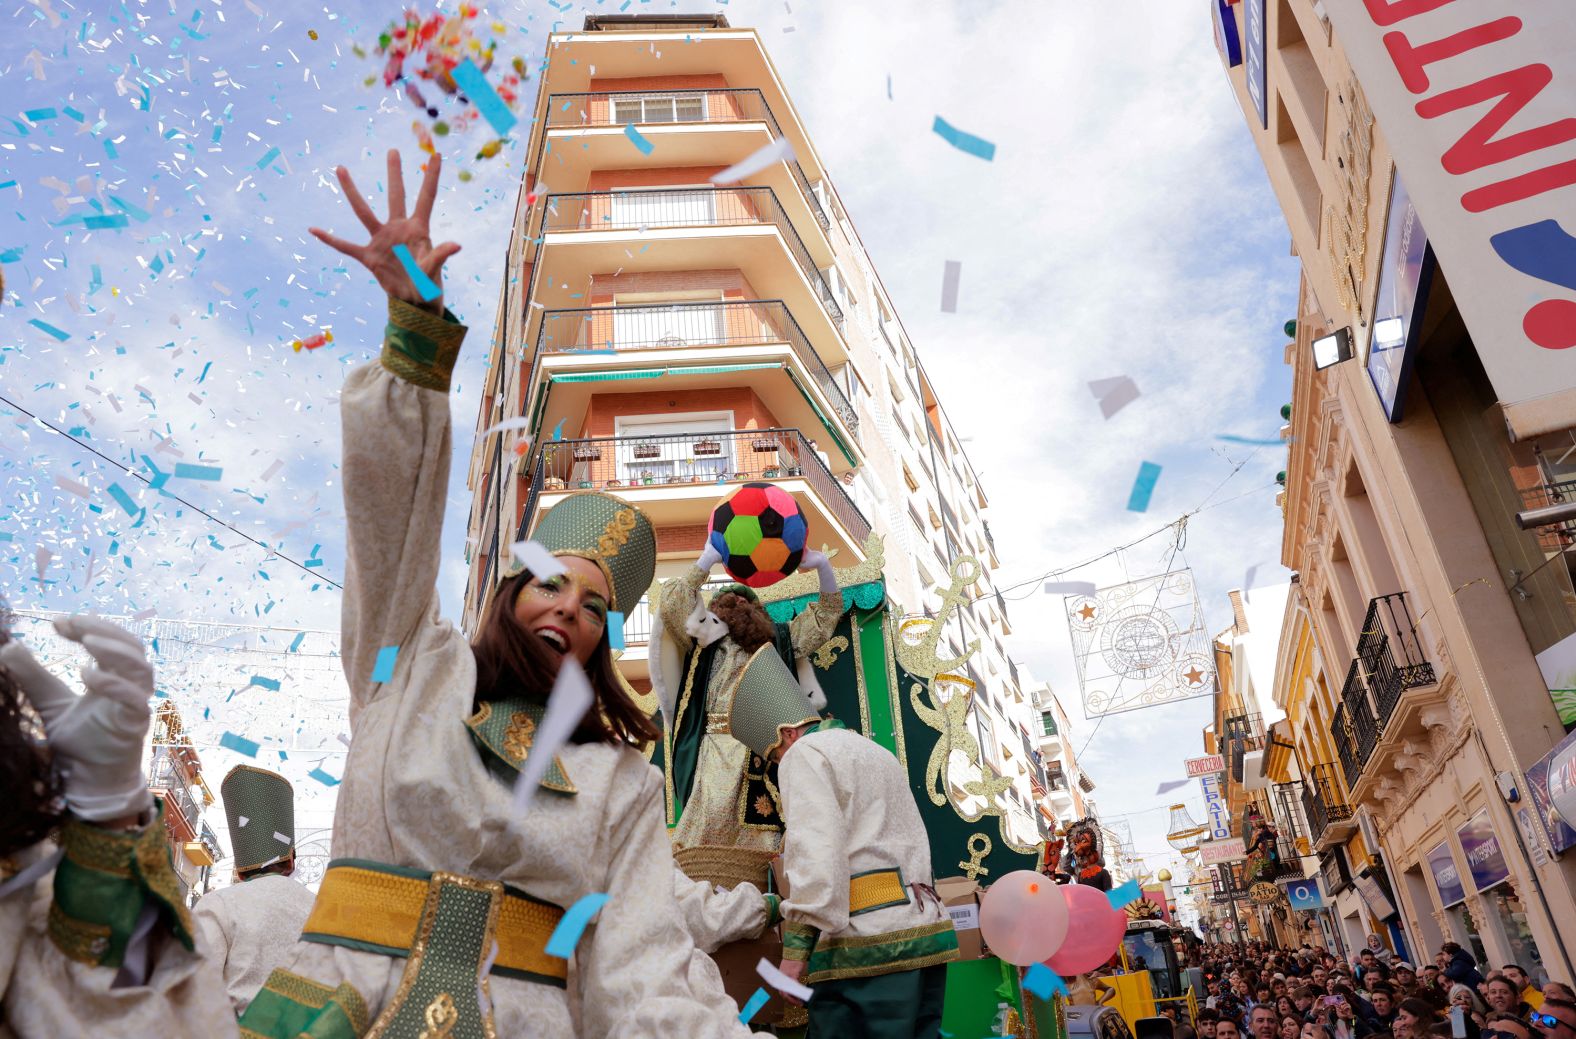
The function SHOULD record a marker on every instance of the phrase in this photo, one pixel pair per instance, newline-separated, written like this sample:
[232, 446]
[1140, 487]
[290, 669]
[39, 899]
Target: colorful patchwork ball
[760, 533]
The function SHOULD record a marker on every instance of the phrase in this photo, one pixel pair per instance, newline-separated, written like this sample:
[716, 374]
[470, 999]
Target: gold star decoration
[1194, 676]
[1086, 612]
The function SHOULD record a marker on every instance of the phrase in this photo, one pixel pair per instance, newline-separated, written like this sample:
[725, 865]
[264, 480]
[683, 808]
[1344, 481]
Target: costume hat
[260, 807]
[766, 700]
[610, 532]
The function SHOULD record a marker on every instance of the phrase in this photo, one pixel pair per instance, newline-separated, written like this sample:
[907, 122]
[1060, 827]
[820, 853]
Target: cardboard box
[737, 961]
[961, 897]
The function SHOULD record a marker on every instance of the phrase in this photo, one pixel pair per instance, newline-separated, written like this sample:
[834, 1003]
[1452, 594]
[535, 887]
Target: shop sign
[1207, 765]
[1227, 39]
[1333, 869]
[1405, 270]
[1228, 850]
[1556, 771]
[1264, 893]
[1485, 859]
[1475, 106]
[1532, 832]
[1374, 895]
[1253, 57]
[1305, 894]
[1447, 879]
[1217, 812]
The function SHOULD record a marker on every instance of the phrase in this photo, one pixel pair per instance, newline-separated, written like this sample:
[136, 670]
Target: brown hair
[748, 623]
[512, 660]
[28, 778]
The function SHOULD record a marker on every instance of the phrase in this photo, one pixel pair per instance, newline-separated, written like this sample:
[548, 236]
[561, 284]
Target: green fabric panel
[412, 344]
[972, 998]
[829, 957]
[449, 967]
[655, 373]
[904, 1005]
[689, 728]
[277, 1016]
[826, 423]
[878, 693]
[861, 596]
[102, 900]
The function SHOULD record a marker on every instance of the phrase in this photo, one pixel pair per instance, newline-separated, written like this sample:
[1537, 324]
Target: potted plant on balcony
[614, 483]
[708, 447]
[647, 477]
[587, 453]
[647, 451]
[771, 472]
[553, 483]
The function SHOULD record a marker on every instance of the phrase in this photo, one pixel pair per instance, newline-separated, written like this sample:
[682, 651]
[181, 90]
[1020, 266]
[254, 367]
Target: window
[642, 323]
[987, 739]
[908, 477]
[1048, 723]
[664, 447]
[678, 205]
[1055, 778]
[660, 108]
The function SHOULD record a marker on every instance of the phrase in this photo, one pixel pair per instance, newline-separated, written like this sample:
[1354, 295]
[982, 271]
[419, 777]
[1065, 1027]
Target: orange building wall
[686, 538]
[749, 412]
[731, 282]
[664, 176]
[708, 81]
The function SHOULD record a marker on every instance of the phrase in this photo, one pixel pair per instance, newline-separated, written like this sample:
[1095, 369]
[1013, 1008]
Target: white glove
[709, 557]
[817, 561]
[96, 737]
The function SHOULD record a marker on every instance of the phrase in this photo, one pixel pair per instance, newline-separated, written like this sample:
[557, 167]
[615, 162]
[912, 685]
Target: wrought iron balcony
[672, 326]
[687, 207]
[632, 462]
[1360, 715]
[1555, 537]
[619, 108]
[1345, 746]
[1390, 653]
[1322, 801]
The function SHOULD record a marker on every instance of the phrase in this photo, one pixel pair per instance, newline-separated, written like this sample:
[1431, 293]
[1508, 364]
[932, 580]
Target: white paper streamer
[570, 699]
[782, 982]
[1070, 588]
[537, 559]
[779, 150]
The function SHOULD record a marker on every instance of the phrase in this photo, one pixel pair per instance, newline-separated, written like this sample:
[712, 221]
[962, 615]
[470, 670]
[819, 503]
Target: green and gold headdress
[260, 807]
[766, 700]
[610, 532]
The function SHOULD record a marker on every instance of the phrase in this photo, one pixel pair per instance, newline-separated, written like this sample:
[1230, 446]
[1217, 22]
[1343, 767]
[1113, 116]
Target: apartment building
[1066, 785]
[669, 338]
[1431, 420]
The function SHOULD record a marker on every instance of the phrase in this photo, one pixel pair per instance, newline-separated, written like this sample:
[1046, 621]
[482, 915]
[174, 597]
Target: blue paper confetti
[188, 471]
[51, 329]
[426, 286]
[1126, 894]
[964, 142]
[323, 777]
[1143, 487]
[99, 223]
[1044, 982]
[615, 629]
[383, 670]
[754, 1005]
[567, 934]
[269, 156]
[123, 499]
[474, 86]
[1251, 441]
[638, 141]
[271, 684]
[240, 744]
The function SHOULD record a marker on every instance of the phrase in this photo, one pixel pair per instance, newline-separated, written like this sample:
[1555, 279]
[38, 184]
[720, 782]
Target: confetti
[241, 745]
[782, 982]
[640, 142]
[566, 705]
[282, 838]
[266, 683]
[1114, 394]
[567, 934]
[269, 156]
[1044, 982]
[753, 1006]
[474, 85]
[1166, 788]
[383, 669]
[311, 34]
[186, 471]
[951, 274]
[537, 559]
[1127, 894]
[507, 424]
[428, 288]
[778, 150]
[1143, 487]
[1070, 588]
[51, 329]
[964, 142]
[122, 499]
[615, 630]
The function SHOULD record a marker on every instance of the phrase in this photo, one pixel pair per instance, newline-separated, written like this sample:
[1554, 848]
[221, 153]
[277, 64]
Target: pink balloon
[1094, 931]
[1023, 918]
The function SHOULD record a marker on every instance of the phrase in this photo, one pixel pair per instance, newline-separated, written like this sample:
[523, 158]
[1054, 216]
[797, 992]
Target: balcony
[743, 228]
[1329, 815]
[1390, 654]
[677, 478]
[577, 351]
[686, 128]
[167, 779]
[1554, 537]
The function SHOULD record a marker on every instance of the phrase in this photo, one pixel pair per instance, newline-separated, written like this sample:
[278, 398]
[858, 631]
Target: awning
[1277, 753]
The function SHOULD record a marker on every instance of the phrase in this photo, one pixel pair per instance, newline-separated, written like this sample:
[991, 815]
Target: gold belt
[379, 908]
[875, 889]
[717, 723]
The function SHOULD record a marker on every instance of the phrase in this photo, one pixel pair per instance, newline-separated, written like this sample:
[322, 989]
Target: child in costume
[436, 919]
[249, 926]
[862, 922]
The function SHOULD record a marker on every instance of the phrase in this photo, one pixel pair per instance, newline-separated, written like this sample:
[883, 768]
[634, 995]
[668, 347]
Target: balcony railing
[1359, 714]
[686, 207]
[168, 780]
[643, 107]
[617, 463]
[1390, 653]
[1553, 537]
[1322, 800]
[670, 326]
[1345, 746]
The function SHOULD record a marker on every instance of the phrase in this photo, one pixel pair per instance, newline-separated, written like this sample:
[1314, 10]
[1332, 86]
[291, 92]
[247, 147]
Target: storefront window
[1506, 907]
[1466, 931]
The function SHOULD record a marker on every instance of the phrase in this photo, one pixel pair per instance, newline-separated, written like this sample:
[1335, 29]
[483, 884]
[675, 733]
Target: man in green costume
[862, 923]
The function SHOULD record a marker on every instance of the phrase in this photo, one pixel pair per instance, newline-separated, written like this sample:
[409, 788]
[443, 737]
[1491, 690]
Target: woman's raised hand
[410, 231]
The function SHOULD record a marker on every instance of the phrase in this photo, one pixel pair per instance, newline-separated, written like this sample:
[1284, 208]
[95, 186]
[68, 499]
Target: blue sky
[1125, 227]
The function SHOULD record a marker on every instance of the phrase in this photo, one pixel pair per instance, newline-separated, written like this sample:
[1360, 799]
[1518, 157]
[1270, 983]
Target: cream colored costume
[54, 984]
[249, 928]
[852, 821]
[716, 916]
[417, 793]
[711, 817]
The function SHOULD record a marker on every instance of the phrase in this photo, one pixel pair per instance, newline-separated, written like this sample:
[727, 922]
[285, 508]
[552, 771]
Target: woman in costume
[111, 953]
[435, 920]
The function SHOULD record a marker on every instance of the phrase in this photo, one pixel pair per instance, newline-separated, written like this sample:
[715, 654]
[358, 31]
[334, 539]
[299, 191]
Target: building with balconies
[1427, 439]
[175, 775]
[667, 338]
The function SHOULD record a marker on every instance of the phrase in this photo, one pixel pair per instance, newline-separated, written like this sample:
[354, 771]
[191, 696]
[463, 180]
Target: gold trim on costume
[876, 889]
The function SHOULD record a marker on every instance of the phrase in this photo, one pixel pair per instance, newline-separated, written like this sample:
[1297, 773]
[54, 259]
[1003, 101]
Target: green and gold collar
[505, 730]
